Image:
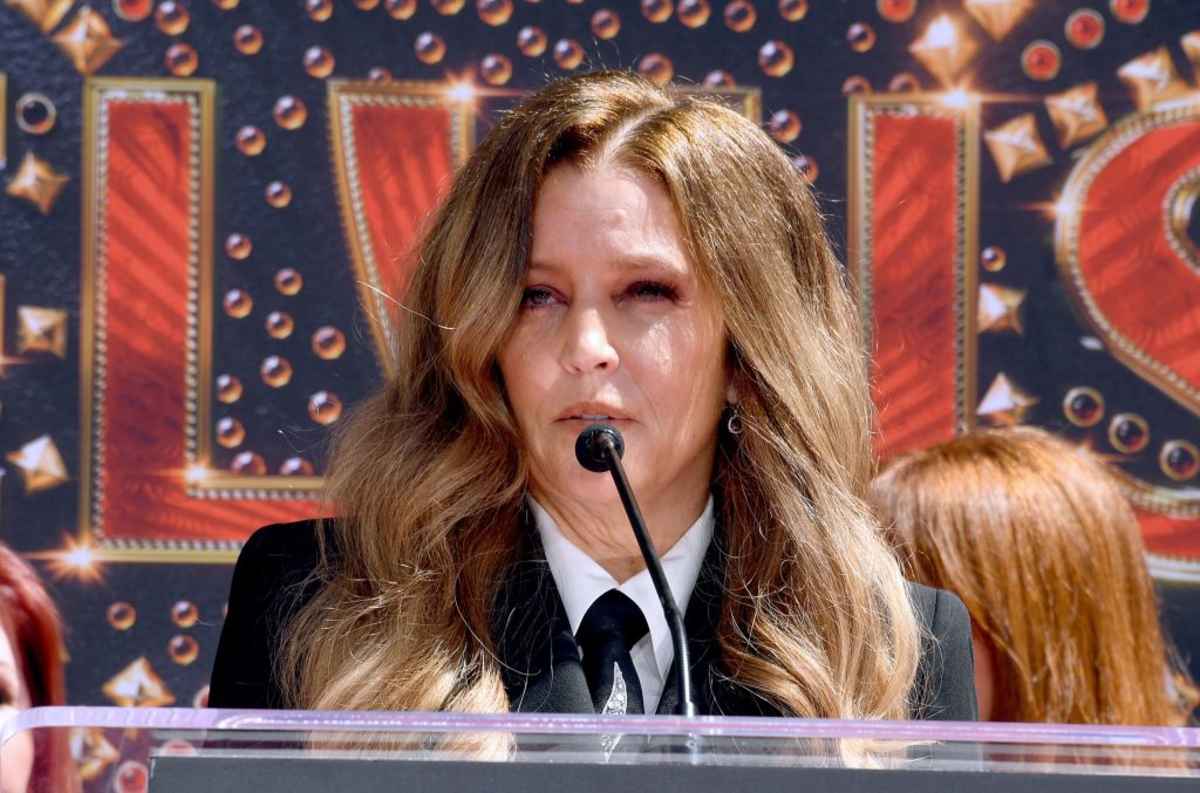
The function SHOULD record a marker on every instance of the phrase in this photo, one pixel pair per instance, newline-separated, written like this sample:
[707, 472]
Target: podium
[168, 750]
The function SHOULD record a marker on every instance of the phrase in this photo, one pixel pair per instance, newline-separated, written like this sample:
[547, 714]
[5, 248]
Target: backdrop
[209, 205]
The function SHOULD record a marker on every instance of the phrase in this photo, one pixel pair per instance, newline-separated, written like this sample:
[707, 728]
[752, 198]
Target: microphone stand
[606, 444]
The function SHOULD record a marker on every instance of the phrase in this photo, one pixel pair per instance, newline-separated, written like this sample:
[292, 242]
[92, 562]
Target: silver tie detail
[617, 705]
[618, 699]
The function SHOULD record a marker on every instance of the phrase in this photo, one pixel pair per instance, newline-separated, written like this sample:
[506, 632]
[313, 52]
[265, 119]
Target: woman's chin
[594, 490]
[597, 489]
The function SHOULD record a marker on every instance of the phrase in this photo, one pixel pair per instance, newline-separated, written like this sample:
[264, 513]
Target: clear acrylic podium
[185, 751]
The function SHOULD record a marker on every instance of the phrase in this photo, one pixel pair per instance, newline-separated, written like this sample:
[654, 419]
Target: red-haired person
[1037, 539]
[31, 675]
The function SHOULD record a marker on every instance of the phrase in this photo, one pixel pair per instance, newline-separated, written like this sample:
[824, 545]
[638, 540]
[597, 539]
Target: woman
[611, 251]
[31, 675]
[1036, 538]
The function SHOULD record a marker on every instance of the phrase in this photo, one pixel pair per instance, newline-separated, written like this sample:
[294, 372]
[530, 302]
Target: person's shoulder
[273, 578]
[295, 535]
[945, 685]
[286, 548]
[938, 611]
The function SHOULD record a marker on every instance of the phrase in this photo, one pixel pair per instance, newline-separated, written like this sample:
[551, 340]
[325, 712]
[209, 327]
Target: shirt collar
[580, 579]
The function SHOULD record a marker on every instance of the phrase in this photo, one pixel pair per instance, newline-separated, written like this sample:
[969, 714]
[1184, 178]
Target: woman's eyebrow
[634, 261]
[651, 261]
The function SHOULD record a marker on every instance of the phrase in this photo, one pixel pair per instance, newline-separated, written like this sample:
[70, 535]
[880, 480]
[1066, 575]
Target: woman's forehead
[615, 214]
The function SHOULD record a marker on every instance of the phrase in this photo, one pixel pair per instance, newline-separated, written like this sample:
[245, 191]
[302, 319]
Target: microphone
[593, 445]
[599, 448]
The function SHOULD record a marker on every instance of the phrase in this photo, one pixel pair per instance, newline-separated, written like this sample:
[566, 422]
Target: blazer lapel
[539, 658]
[714, 691]
[700, 621]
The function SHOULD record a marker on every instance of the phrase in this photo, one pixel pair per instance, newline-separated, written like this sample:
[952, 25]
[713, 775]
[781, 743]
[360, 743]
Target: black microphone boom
[599, 448]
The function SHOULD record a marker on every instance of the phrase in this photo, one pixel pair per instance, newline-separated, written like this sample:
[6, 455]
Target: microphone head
[592, 445]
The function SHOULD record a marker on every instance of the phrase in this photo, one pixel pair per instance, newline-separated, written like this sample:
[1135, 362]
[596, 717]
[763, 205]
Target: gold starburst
[76, 560]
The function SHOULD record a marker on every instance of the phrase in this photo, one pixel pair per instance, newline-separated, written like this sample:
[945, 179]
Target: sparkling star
[944, 50]
[1000, 309]
[1017, 147]
[138, 685]
[998, 17]
[92, 751]
[1153, 79]
[87, 41]
[42, 330]
[37, 182]
[43, 13]
[1004, 404]
[1076, 114]
[1191, 48]
[40, 464]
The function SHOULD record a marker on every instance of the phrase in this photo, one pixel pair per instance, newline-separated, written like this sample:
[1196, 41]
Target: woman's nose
[588, 346]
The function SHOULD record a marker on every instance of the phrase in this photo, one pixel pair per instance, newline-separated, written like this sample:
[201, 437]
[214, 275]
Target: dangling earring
[734, 422]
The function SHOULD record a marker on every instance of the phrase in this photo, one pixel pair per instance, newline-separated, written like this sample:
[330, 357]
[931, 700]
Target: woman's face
[16, 756]
[614, 323]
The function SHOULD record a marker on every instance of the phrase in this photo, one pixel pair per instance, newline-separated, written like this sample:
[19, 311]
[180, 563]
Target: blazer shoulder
[274, 572]
[938, 610]
[272, 580]
[945, 686]
[924, 601]
[286, 547]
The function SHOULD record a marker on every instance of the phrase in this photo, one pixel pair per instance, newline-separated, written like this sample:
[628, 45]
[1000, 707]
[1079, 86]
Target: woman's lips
[594, 421]
[596, 412]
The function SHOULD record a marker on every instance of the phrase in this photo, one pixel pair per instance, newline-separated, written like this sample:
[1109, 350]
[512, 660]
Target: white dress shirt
[581, 580]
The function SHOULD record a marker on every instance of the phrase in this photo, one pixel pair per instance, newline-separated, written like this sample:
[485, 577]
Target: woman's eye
[536, 296]
[653, 290]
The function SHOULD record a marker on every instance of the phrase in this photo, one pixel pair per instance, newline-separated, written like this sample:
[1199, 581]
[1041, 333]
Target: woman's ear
[731, 393]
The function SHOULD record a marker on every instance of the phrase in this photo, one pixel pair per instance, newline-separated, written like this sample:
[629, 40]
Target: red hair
[1036, 538]
[32, 625]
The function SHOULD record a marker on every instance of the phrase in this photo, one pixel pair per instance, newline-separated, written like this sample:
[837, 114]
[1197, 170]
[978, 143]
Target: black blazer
[542, 671]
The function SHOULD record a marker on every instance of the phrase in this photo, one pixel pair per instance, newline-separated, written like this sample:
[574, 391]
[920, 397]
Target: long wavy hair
[429, 477]
[1036, 538]
[31, 623]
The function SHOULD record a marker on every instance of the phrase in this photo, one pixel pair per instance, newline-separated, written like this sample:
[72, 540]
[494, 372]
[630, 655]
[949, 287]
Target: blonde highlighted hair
[428, 475]
[1035, 537]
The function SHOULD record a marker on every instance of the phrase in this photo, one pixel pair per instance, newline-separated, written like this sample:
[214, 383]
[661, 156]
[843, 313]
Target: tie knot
[612, 619]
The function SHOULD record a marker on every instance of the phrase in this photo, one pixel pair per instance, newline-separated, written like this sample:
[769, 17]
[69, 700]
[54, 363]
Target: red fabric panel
[913, 243]
[404, 166]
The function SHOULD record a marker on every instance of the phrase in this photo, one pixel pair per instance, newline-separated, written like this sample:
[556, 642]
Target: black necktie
[610, 628]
